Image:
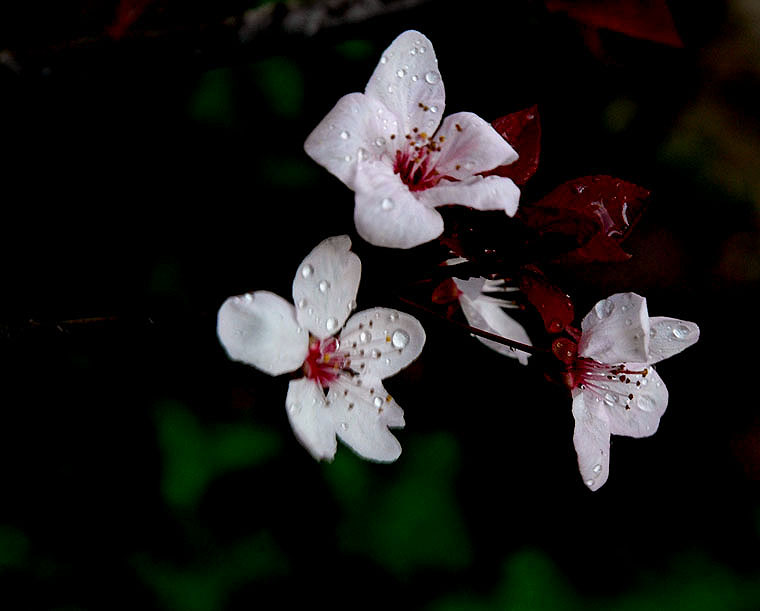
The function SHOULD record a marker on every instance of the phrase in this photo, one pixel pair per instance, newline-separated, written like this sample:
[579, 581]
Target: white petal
[634, 407]
[325, 286]
[481, 193]
[668, 336]
[362, 411]
[388, 214]
[488, 316]
[616, 330]
[311, 418]
[591, 439]
[381, 342]
[358, 128]
[471, 145]
[407, 81]
[261, 329]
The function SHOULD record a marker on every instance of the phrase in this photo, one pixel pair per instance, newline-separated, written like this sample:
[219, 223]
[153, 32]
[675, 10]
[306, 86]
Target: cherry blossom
[615, 389]
[486, 312]
[341, 391]
[389, 145]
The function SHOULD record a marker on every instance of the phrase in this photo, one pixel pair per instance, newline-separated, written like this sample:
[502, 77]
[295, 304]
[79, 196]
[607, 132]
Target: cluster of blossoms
[391, 148]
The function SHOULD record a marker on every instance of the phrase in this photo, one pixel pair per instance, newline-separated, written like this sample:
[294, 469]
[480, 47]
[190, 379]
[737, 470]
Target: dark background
[154, 168]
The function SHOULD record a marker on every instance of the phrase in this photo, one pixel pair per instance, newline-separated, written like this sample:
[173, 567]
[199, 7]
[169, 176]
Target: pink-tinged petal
[634, 402]
[325, 286]
[470, 145]
[488, 316]
[311, 418]
[481, 193]
[388, 214]
[356, 129]
[616, 330]
[408, 83]
[380, 342]
[668, 336]
[362, 411]
[591, 439]
[261, 329]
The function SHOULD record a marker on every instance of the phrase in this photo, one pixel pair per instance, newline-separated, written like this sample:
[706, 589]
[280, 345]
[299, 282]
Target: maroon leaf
[126, 14]
[647, 19]
[592, 214]
[554, 306]
[446, 292]
[522, 129]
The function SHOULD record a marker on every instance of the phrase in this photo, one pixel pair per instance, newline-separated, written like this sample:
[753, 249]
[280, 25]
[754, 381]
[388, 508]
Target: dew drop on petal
[433, 109]
[362, 154]
[380, 142]
[293, 408]
[390, 89]
[413, 51]
[393, 316]
[344, 426]
[323, 286]
[378, 402]
[400, 73]
[387, 203]
[681, 331]
[331, 324]
[383, 60]
[351, 305]
[421, 50]
[347, 158]
[376, 354]
[307, 270]
[610, 399]
[589, 482]
[365, 337]
[646, 403]
[302, 303]
[469, 165]
[432, 77]
[597, 468]
[387, 361]
[604, 308]
[628, 322]
[344, 135]
[400, 338]
[415, 78]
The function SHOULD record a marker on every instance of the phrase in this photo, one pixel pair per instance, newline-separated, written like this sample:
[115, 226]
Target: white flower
[615, 389]
[386, 145]
[485, 312]
[341, 391]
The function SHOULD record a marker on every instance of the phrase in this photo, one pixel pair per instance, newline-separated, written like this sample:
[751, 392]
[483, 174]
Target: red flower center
[323, 362]
[415, 165]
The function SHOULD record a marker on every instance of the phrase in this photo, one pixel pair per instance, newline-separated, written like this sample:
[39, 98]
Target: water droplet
[383, 60]
[421, 50]
[344, 426]
[681, 331]
[652, 332]
[302, 303]
[469, 165]
[307, 270]
[362, 154]
[433, 109]
[376, 354]
[310, 311]
[400, 338]
[323, 286]
[293, 408]
[415, 78]
[610, 399]
[597, 468]
[387, 203]
[412, 51]
[432, 77]
[380, 142]
[347, 158]
[390, 89]
[365, 337]
[378, 402]
[589, 482]
[400, 73]
[628, 322]
[331, 324]
[387, 361]
[393, 316]
[344, 135]
[604, 308]
[646, 403]
[351, 305]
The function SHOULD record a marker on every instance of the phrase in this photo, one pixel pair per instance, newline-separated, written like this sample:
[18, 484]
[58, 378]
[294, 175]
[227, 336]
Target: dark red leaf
[590, 215]
[126, 14]
[554, 306]
[446, 292]
[522, 129]
[647, 19]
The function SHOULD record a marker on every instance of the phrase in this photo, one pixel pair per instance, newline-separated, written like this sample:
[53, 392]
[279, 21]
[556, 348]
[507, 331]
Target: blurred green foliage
[194, 455]
[14, 547]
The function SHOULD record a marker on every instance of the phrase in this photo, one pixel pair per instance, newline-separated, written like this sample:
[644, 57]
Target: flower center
[415, 164]
[590, 375]
[324, 363]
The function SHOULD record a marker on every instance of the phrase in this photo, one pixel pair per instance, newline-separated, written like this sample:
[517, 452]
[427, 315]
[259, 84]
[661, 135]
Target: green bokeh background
[149, 177]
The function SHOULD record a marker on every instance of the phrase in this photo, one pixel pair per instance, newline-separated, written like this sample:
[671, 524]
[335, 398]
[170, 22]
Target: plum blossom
[389, 146]
[615, 389]
[486, 312]
[343, 357]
